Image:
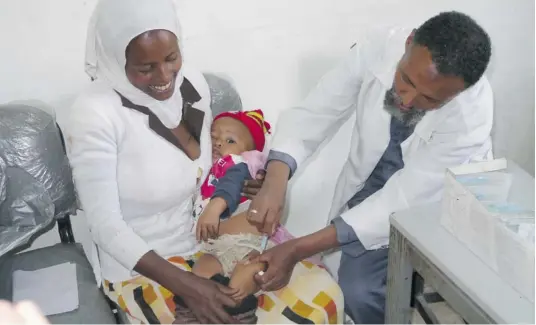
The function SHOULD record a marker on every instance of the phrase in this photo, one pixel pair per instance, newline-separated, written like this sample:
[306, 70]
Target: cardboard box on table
[489, 206]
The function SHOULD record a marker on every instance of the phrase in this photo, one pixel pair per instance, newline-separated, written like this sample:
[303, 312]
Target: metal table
[421, 249]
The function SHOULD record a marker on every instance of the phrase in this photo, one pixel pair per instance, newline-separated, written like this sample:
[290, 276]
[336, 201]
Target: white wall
[275, 51]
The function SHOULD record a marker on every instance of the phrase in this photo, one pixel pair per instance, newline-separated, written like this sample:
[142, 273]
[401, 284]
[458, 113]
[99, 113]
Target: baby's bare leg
[207, 266]
[243, 278]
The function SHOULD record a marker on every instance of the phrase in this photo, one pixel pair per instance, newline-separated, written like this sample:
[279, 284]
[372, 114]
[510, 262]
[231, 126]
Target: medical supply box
[489, 207]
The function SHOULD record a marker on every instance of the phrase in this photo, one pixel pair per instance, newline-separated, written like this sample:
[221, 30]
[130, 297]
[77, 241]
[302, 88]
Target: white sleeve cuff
[127, 248]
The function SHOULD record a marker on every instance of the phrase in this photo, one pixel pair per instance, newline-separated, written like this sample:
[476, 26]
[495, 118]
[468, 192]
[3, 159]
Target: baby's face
[229, 136]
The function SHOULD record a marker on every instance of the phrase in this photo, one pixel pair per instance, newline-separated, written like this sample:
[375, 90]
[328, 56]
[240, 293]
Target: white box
[489, 206]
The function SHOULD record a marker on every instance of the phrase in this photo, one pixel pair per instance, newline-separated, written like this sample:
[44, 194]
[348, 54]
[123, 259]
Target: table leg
[458, 300]
[419, 302]
[399, 281]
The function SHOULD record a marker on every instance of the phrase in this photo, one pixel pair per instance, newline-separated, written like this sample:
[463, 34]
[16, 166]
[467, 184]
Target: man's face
[417, 86]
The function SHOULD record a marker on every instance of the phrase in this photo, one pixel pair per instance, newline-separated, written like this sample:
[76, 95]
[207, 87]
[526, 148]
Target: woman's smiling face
[153, 63]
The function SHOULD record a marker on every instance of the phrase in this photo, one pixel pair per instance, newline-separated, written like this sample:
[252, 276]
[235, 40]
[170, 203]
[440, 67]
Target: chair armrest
[65, 229]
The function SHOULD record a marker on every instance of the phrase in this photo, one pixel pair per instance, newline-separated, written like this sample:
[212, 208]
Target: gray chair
[224, 96]
[38, 187]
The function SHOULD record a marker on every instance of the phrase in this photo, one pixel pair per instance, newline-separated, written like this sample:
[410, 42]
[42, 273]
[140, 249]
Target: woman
[139, 142]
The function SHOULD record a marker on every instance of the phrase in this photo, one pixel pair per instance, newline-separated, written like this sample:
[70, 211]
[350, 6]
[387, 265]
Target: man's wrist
[285, 158]
[297, 250]
[320, 241]
[277, 171]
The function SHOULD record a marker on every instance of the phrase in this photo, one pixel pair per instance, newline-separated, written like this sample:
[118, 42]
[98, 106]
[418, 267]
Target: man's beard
[391, 104]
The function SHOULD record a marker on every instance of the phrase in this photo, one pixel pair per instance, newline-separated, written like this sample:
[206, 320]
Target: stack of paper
[54, 289]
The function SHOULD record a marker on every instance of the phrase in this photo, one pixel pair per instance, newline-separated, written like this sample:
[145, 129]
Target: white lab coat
[457, 133]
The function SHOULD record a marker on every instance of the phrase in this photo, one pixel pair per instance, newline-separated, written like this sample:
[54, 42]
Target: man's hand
[282, 258]
[252, 186]
[206, 298]
[267, 206]
[281, 261]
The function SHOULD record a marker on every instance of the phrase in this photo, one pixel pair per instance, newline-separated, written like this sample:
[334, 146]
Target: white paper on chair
[54, 289]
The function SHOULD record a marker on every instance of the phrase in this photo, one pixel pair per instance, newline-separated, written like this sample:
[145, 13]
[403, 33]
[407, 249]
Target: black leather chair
[94, 308]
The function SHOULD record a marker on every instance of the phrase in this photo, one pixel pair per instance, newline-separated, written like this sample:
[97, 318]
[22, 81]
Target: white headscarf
[113, 25]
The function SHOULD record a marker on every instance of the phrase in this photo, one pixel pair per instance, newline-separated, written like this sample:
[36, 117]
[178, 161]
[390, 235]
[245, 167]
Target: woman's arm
[153, 266]
[92, 137]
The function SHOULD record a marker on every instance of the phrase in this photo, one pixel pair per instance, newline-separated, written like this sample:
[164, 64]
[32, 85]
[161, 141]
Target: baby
[238, 139]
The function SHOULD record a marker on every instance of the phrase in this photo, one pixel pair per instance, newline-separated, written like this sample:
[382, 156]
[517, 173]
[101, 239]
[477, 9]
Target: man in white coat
[421, 104]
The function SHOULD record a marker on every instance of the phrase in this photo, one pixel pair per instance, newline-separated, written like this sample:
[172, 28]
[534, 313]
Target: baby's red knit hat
[254, 121]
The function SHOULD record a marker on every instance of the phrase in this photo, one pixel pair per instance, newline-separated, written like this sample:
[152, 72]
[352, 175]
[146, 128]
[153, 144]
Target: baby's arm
[229, 188]
[223, 202]
[209, 221]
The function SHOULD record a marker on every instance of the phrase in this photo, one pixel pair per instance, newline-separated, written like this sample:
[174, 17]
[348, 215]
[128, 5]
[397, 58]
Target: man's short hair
[458, 45]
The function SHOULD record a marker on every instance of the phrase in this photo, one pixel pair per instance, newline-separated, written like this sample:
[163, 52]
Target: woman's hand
[281, 261]
[206, 298]
[252, 187]
[267, 206]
